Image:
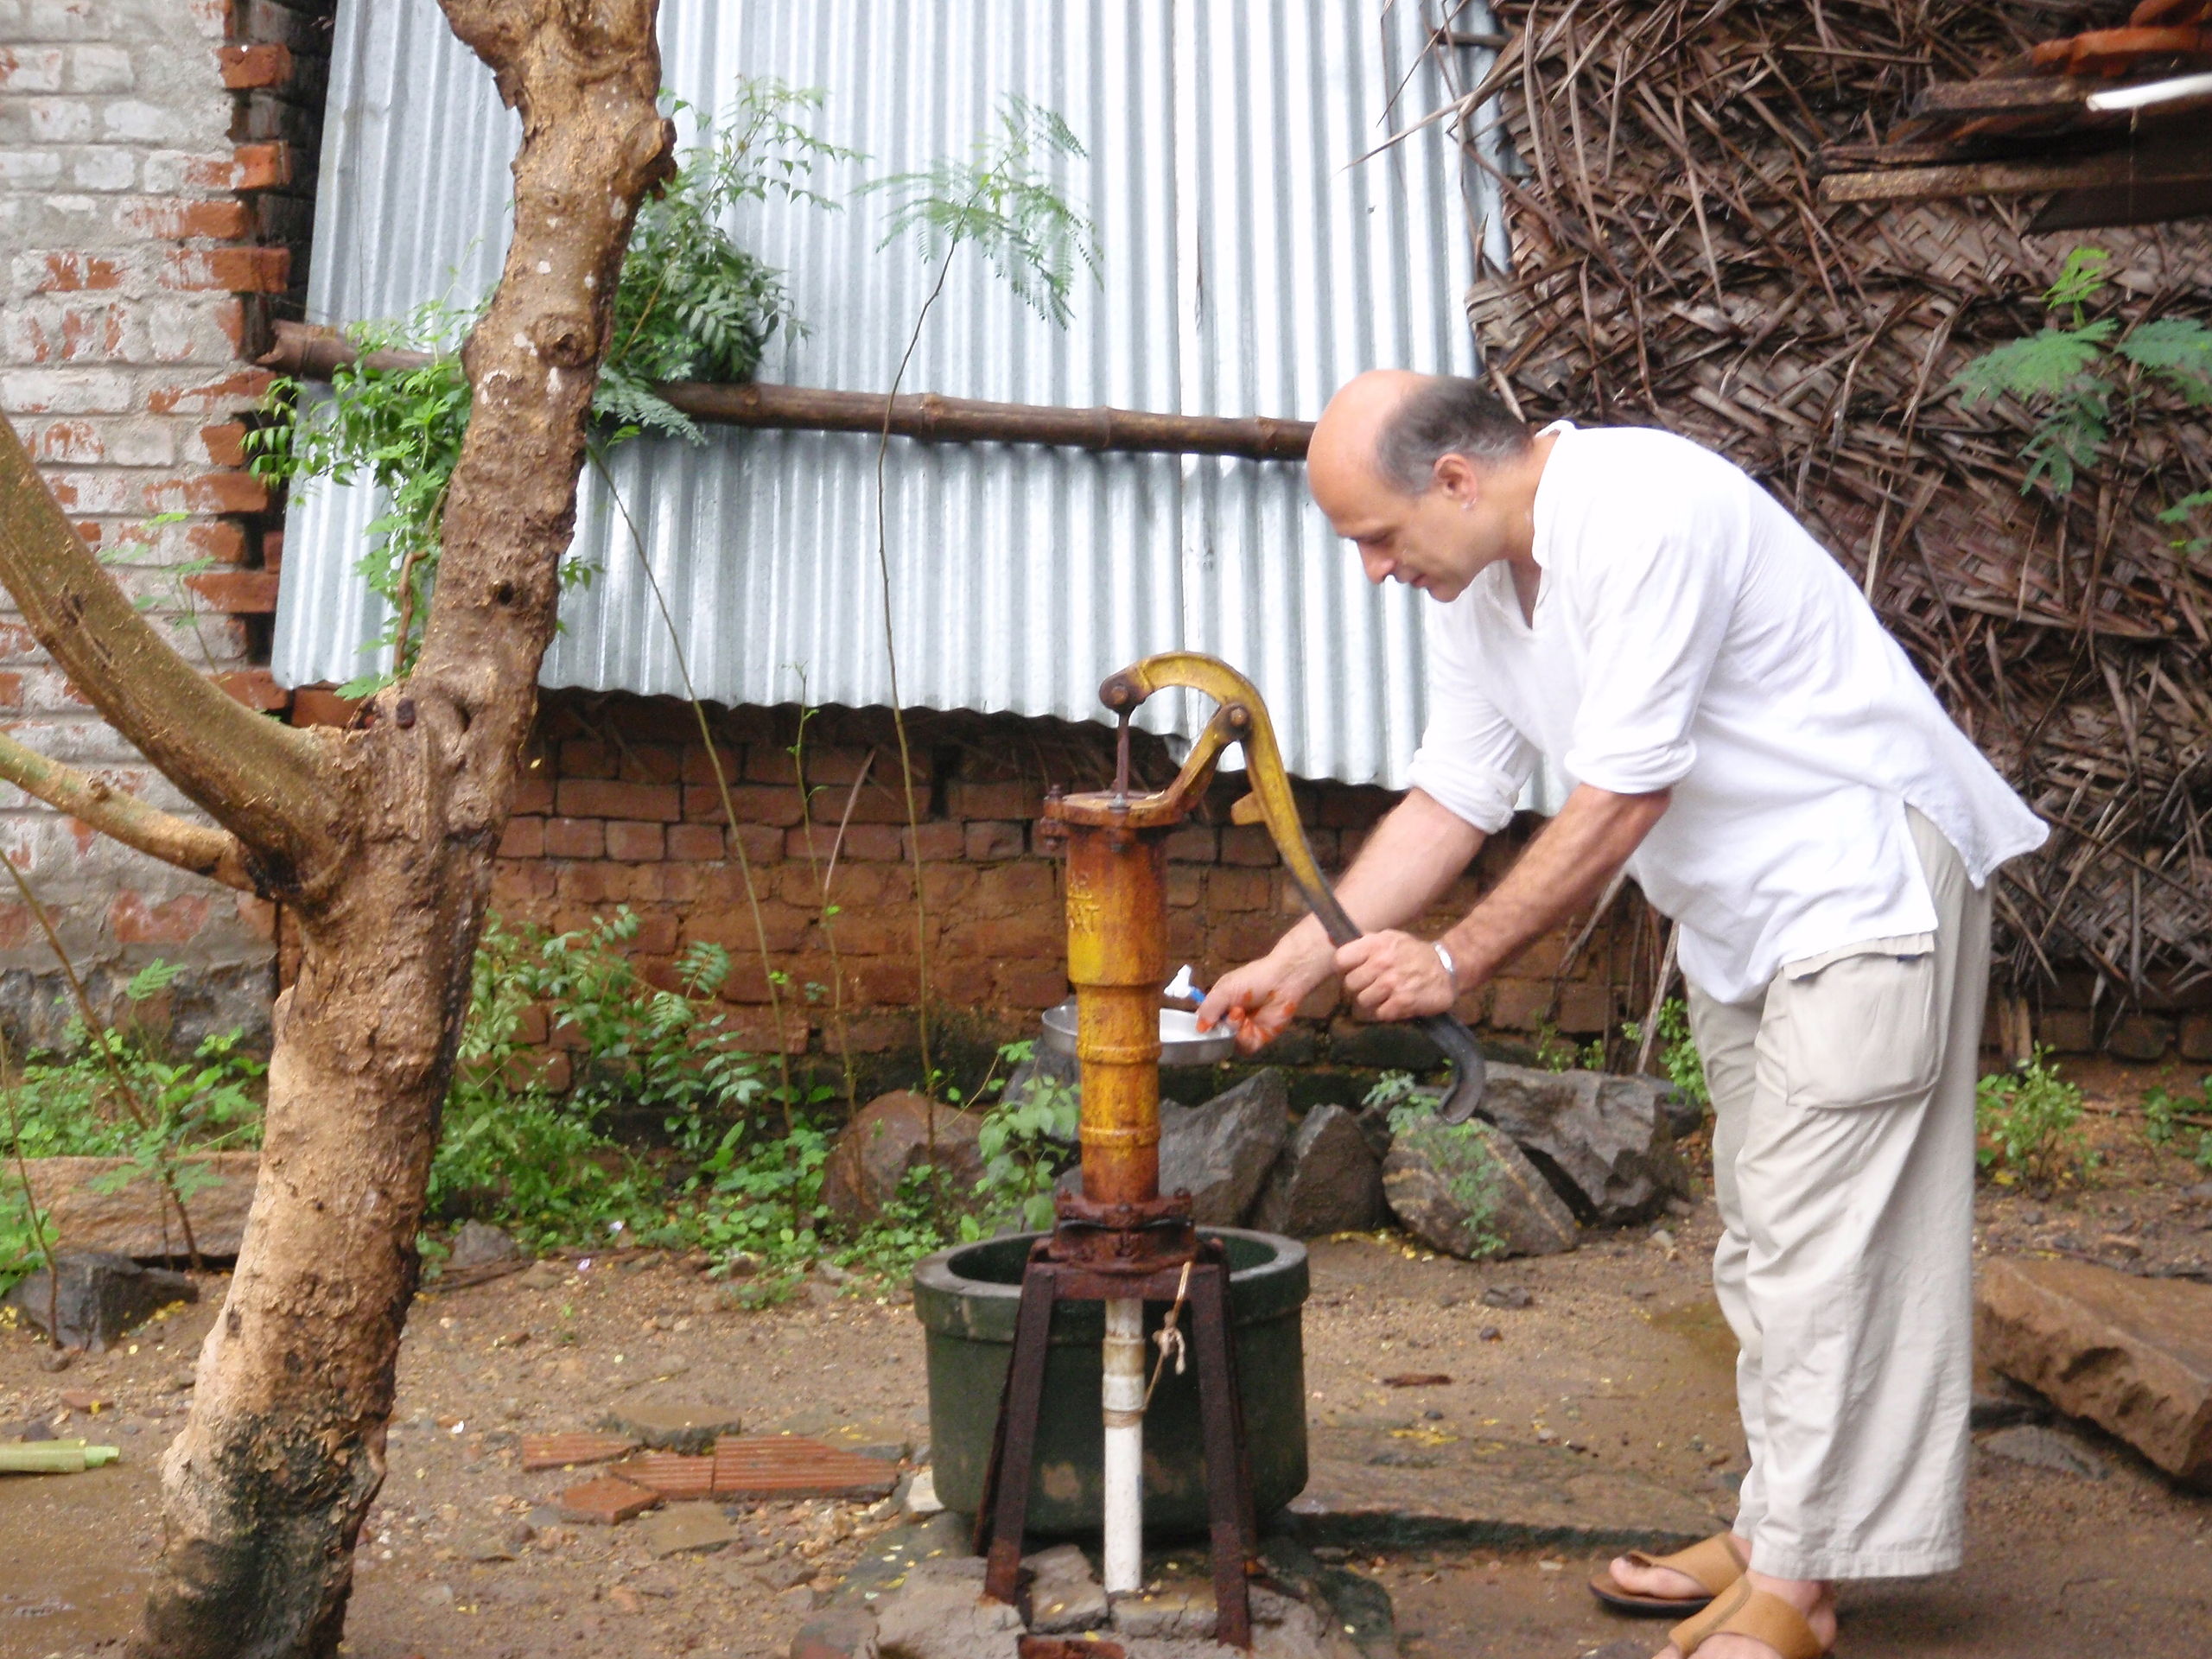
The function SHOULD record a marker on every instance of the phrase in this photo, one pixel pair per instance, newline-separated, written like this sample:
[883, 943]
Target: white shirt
[1689, 635]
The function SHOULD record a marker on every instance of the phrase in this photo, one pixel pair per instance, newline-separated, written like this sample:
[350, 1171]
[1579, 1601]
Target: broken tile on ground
[792, 1466]
[672, 1474]
[606, 1502]
[569, 1451]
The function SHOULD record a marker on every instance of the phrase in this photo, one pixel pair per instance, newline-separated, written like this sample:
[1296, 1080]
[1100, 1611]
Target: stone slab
[1370, 1490]
[672, 1425]
[940, 1613]
[569, 1451]
[1064, 1595]
[137, 1220]
[686, 1529]
[794, 1466]
[2134, 1356]
[606, 1502]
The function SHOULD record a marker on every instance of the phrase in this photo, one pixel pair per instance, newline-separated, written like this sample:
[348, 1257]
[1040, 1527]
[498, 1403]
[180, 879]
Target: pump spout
[1242, 719]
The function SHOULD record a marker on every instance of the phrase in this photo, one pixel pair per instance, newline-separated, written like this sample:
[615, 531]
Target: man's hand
[1259, 999]
[1394, 975]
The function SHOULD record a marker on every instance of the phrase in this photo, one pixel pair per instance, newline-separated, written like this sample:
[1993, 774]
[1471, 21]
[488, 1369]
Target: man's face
[1438, 541]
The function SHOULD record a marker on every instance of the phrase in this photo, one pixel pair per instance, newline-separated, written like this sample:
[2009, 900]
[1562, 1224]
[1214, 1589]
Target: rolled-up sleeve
[1653, 606]
[1471, 760]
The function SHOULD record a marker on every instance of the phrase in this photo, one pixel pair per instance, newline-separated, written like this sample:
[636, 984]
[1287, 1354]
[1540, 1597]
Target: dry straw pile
[1673, 266]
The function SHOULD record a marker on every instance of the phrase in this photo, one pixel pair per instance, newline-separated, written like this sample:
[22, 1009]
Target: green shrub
[2162, 1127]
[2029, 1122]
[119, 1094]
[1676, 1049]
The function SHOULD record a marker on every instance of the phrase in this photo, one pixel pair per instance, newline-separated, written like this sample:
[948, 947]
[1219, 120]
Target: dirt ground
[1621, 1354]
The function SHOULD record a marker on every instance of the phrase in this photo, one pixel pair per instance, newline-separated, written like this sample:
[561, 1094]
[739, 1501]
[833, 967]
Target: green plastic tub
[966, 1297]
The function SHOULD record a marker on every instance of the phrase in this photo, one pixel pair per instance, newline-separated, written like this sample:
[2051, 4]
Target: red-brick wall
[620, 808]
[156, 162]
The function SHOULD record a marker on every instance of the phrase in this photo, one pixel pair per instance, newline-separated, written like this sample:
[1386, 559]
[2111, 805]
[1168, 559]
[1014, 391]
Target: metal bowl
[1181, 1043]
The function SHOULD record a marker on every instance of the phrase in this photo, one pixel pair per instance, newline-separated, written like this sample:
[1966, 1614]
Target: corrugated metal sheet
[1247, 269]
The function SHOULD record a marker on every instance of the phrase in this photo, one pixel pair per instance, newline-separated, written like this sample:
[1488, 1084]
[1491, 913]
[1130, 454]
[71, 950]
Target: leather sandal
[1742, 1611]
[1714, 1563]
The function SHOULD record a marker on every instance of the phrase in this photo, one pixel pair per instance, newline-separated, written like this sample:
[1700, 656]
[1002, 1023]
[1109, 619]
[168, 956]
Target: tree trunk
[266, 1488]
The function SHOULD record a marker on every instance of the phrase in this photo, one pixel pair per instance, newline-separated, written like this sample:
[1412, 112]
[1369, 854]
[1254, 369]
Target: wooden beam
[2116, 167]
[310, 353]
[2024, 93]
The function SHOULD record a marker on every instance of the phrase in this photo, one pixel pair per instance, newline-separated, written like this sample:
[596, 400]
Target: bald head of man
[1430, 476]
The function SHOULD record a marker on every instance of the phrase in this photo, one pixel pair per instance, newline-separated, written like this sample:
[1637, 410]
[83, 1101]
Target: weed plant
[2164, 1124]
[2028, 1121]
[1676, 1050]
[1459, 1152]
[70, 1102]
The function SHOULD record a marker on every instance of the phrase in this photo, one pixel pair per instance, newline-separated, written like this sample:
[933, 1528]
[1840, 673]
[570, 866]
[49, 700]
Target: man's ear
[1457, 478]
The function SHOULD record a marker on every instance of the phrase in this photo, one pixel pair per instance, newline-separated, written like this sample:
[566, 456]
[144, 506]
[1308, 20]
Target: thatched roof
[1673, 266]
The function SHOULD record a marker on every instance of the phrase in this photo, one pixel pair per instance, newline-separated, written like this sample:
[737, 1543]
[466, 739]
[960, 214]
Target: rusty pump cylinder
[1119, 1241]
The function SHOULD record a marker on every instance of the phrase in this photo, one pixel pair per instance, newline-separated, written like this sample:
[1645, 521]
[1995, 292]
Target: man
[1745, 738]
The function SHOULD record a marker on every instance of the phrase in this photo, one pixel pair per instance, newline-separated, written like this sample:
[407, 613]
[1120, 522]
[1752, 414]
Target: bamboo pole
[310, 353]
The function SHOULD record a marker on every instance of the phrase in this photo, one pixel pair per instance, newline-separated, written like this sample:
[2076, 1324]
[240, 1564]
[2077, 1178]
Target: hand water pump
[1119, 1239]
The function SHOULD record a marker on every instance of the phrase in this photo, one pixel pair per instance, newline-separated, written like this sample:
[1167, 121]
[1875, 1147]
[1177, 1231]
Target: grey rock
[1176, 1622]
[1467, 1190]
[2044, 1448]
[836, 1632]
[1327, 1179]
[1609, 1138]
[94, 1297]
[2004, 1410]
[1220, 1153]
[787, 1572]
[1064, 1593]
[894, 1133]
[1515, 1296]
[940, 1613]
[478, 1244]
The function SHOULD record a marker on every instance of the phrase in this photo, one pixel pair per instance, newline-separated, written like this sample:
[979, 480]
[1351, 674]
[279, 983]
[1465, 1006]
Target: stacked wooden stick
[1673, 266]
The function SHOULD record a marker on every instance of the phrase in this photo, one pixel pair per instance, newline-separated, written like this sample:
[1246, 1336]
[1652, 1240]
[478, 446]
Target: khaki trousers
[1843, 1162]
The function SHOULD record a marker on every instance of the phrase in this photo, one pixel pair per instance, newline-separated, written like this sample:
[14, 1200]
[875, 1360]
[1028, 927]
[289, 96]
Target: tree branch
[194, 847]
[265, 782]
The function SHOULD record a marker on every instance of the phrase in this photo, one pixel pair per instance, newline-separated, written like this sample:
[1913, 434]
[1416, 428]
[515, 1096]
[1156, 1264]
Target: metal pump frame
[1119, 1239]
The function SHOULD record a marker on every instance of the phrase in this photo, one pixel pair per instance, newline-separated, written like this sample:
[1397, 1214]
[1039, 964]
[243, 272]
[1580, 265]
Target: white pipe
[1122, 1400]
[2152, 93]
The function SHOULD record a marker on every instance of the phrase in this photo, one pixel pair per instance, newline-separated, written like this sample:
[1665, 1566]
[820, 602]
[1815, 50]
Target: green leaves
[691, 305]
[2028, 1125]
[1003, 204]
[2178, 351]
[2070, 377]
[2078, 279]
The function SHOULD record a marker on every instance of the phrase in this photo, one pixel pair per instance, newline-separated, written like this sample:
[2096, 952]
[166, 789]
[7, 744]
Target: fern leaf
[2177, 350]
[2041, 365]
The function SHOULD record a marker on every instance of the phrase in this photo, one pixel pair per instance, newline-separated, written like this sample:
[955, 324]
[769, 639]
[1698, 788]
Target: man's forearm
[1411, 857]
[1565, 868]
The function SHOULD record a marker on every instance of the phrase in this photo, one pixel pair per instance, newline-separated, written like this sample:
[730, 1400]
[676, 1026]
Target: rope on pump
[1169, 1337]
